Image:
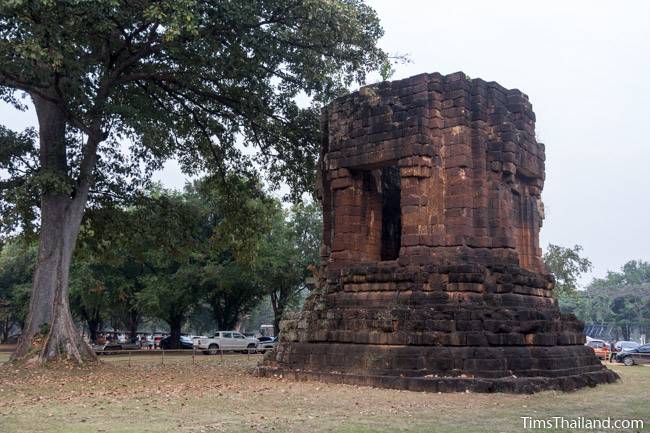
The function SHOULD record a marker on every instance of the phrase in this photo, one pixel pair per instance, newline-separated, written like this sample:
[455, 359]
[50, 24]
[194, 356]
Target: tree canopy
[289, 255]
[567, 265]
[120, 86]
[620, 299]
[17, 260]
[175, 79]
[220, 245]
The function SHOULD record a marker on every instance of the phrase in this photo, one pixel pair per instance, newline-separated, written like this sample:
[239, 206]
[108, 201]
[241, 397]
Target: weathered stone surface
[432, 275]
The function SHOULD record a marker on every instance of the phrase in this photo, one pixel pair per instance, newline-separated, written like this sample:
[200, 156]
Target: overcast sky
[585, 66]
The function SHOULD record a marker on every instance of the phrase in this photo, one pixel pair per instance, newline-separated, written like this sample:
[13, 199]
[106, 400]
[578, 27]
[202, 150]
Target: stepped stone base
[497, 338]
[512, 385]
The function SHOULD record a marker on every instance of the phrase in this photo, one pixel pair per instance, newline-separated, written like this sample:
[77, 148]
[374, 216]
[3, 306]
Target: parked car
[186, 343]
[157, 338]
[13, 339]
[225, 341]
[266, 343]
[113, 348]
[640, 355]
[146, 341]
[625, 345]
[601, 348]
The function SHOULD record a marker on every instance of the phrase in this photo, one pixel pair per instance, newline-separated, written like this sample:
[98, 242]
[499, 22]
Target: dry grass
[222, 396]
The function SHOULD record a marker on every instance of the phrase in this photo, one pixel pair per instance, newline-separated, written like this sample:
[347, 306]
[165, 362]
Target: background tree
[291, 249]
[632, 272]
[169, 235]
[567, 265]
[620, 299]
[168, 78]
[237, 216]
[231, 290]
[111, 257]
[89, 297]
[261, 314]
[170, 294]
[17, 261]
[167, 254]
[200, 320]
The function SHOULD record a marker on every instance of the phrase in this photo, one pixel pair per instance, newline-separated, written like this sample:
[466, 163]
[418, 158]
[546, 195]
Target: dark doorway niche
[391, 213]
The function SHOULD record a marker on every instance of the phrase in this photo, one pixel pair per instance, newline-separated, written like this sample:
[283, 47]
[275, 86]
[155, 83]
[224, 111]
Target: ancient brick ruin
[432, 276]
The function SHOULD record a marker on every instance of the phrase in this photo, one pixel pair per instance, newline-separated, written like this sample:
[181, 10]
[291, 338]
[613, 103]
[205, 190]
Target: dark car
[186, 343]
[640, 355]
[266, 343]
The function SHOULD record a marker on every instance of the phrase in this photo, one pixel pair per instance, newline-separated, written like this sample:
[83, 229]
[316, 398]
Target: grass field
[220, 395]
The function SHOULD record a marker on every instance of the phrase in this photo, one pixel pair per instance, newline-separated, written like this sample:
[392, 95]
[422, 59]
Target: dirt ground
[220, 395]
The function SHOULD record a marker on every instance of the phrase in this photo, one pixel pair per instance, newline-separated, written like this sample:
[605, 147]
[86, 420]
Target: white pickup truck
[225, 341]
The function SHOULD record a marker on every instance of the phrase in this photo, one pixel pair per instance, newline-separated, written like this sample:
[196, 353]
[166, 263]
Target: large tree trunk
[133, 324]
[175, 326]
[226, 317]
[6, 326]
[278, 304]
[627, 330]
[94, 324]
[92, 332]
[50, 333]
[219, 312]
